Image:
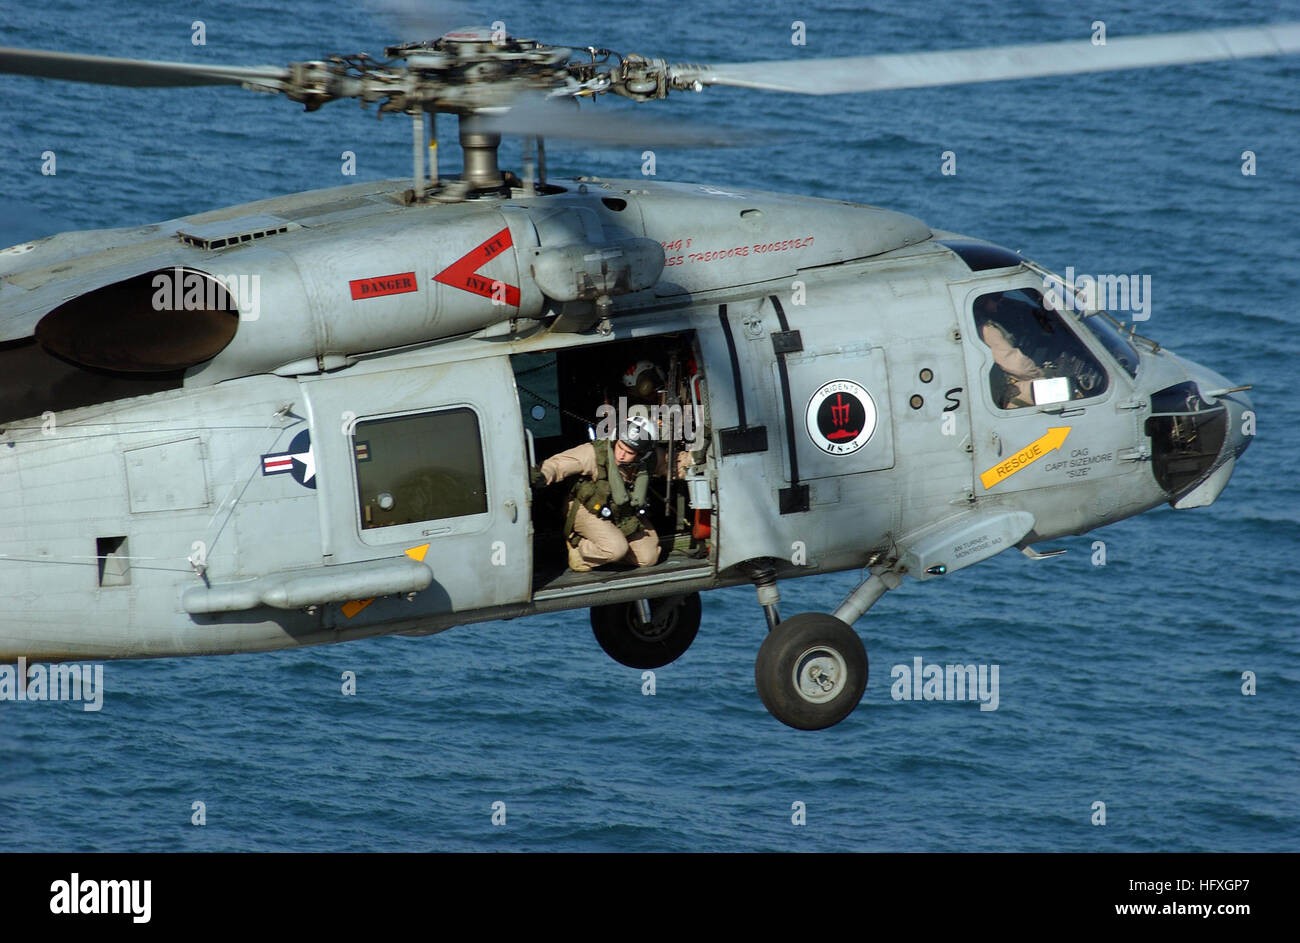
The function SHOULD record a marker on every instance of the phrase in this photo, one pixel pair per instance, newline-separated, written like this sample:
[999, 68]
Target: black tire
[674, 620]
[809, 645]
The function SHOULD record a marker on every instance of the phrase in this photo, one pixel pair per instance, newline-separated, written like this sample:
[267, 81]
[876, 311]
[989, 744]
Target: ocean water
[1120, 684]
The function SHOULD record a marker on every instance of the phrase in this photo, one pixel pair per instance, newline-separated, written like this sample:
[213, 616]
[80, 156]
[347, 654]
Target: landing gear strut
[629, 639]
[811, 670]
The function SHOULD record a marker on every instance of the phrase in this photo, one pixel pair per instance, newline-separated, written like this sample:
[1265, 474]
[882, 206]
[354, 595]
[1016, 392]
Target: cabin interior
[571, 396]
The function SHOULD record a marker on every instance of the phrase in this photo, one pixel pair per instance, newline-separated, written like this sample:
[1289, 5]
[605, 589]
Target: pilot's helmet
[988, 306]
[638, 435]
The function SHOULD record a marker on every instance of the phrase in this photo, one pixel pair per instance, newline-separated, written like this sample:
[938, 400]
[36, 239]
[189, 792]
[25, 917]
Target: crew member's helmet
[643, 378]
[638, 435]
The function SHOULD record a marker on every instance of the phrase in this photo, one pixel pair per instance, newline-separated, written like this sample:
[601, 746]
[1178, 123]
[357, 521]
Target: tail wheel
[674, 621]
[811, 671]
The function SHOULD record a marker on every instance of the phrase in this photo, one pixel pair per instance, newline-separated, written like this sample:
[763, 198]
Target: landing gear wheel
[674, 620]
[811, 671]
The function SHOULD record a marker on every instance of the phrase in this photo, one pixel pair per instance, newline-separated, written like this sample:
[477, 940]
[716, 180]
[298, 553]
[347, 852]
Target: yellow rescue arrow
[1026, 456]
[350, 609]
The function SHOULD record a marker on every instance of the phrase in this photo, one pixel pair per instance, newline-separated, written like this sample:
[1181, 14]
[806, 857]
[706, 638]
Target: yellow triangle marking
[350, 609]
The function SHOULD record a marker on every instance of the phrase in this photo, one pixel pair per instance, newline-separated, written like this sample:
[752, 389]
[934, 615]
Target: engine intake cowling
[155, 322]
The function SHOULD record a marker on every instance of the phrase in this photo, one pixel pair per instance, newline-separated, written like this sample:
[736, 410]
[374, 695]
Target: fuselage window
[1037, 358]
[425, 467]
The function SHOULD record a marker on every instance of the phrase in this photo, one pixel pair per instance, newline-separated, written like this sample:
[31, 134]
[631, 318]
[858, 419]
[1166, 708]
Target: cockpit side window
[1037, 359]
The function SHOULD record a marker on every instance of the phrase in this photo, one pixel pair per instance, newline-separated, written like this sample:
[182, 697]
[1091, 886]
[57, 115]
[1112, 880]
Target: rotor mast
[481, 170]
[481, 166]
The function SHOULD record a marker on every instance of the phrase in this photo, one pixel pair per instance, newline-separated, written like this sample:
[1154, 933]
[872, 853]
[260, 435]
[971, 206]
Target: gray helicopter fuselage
[228, 514]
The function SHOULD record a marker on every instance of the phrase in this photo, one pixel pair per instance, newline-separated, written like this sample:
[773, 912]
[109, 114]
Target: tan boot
[576, 563]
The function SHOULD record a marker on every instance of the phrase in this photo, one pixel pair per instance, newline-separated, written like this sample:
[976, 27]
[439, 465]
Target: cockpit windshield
[1103, 327]
[1105, 330]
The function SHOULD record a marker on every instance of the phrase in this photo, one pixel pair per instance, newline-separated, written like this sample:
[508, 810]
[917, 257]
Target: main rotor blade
[997, 63]
[106, 70]
[532, 115]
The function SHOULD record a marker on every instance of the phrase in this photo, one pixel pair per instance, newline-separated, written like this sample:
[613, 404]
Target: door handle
[513, 509]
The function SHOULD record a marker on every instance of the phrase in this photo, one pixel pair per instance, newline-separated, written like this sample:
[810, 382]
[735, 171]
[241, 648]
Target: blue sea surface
[1119, 684]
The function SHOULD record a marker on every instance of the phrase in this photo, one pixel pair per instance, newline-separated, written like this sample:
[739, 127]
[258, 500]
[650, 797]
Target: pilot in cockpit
[1002, 324]
[1037, 359]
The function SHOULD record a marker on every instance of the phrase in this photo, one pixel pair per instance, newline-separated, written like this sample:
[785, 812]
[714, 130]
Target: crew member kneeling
[608, 519]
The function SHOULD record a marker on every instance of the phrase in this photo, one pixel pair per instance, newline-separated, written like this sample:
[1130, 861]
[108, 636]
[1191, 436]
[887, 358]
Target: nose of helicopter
[1216, 390]
[1220, 401]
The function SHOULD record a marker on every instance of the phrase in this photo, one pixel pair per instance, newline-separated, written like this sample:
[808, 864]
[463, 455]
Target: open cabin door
[426, 462]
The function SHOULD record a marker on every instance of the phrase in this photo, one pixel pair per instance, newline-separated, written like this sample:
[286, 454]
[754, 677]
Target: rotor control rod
[417, 170]
[530, 188]
[433, 149]
[866, 595]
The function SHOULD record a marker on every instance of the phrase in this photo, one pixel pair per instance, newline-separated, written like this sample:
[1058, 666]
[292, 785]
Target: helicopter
[312, 418]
